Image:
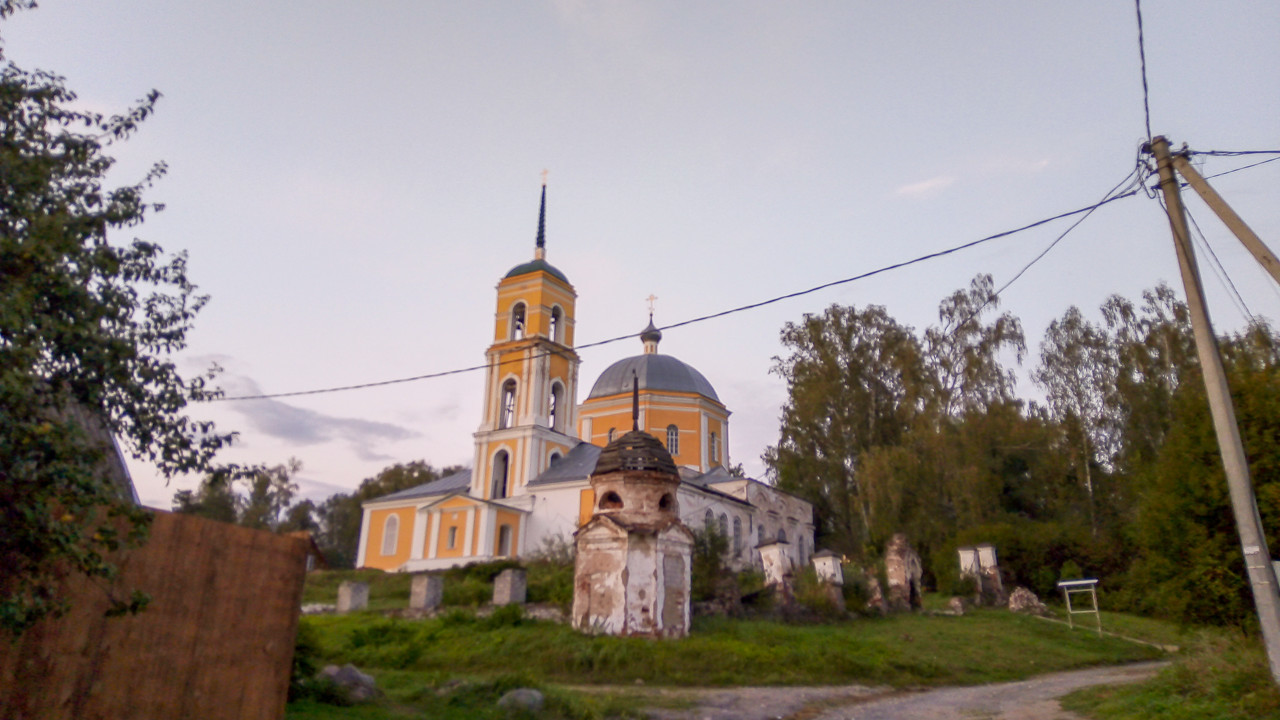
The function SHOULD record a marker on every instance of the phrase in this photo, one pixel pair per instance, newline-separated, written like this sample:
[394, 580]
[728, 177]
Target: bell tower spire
[540, 245]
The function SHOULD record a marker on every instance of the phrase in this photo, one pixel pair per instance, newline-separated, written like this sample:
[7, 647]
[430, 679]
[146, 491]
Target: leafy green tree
[87, 325]
[855, 381]
[963, 354]
[1191, 566]
[214, 499]
[271, 491]
[1078, 369]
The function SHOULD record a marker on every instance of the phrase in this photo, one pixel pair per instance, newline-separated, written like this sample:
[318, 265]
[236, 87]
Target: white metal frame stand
[1082, 586]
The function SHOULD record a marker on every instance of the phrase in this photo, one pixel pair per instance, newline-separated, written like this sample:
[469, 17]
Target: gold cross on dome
[544, 176]
[651, 300]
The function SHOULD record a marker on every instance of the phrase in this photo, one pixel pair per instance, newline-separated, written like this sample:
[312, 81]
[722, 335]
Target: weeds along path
[1034, 699]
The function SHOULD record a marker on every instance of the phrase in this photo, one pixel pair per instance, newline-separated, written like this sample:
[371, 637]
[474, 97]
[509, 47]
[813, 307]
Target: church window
[390, 533]
[782, 535]
[555, 457]
[507, 413]
[504, 541]
[737, 537]
[517, 321]
[610, 501]
[500, 471]
[759, 534]
[554, 333]
[724, 526]
[452, 542]
[673, 440]
[612, 433]
[557, 399]
[709, 522]
[715, 448]
[666, 502]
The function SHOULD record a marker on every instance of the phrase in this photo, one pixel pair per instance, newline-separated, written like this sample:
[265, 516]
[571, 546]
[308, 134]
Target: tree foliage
[1117, 475]
[87, 327]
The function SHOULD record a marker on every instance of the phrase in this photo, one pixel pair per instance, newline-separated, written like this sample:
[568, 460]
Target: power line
[703, 318]
[1233, 153]
[1142, 56]
[1219, 270]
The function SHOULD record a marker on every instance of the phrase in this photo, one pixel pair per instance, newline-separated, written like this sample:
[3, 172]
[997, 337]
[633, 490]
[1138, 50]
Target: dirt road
[1034, 699]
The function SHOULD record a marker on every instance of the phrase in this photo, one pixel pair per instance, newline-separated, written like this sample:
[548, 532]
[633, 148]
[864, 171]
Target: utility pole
[1257, 558]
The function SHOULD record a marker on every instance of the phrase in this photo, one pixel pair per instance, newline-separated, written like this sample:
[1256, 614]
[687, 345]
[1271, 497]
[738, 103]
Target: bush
[710, 548]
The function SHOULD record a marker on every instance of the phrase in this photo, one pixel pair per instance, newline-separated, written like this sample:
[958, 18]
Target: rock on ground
[355, 685]
[525, 699]
[1024, 601]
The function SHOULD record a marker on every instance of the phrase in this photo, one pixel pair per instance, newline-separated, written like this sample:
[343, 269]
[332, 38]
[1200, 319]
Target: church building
[536, 448]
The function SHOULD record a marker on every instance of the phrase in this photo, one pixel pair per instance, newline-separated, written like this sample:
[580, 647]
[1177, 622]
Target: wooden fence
[215, 642]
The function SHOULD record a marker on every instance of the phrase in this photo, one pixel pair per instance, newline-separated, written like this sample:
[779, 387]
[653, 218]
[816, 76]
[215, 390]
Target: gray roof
[577, 465]
[716, 475]
[460, 480]
[655, 372]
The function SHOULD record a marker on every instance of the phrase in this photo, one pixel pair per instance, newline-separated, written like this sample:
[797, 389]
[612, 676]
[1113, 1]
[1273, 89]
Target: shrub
[710, 547]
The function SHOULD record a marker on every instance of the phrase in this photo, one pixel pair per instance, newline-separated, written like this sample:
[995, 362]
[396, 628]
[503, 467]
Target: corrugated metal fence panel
[215, 642]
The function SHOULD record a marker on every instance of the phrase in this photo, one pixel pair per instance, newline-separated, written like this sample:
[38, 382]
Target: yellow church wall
[373, 556]
[586, 505]
[506, 517]
[453, 515]
[659, 412]
[540, 292]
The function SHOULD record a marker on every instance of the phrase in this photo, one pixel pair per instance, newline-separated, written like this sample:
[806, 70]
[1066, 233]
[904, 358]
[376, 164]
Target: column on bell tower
[530, 405]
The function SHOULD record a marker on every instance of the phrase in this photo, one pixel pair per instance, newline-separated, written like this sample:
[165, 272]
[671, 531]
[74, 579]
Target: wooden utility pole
[1257, 558]
[1247, 236]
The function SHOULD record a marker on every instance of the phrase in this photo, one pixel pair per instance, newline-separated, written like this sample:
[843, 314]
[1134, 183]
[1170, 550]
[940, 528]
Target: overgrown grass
[983, 646]
[417, 695]
[1218, 676]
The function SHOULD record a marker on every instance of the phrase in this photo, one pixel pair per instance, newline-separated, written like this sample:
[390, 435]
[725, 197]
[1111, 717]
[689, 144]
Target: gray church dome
[655, 372]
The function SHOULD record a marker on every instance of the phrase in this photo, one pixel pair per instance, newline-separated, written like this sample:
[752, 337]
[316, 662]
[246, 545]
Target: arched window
[507, 412]
[724, 526]
[673, 440]
[737, 537]
[709, 521]
[782, 535]
[610, 501]
[517, 321]
[554, 405]
[612, 433]
[714, 448]
[390, 534]
[759, 534]
[498, 489]
[555, 458]
[504, 541]
[556, 318]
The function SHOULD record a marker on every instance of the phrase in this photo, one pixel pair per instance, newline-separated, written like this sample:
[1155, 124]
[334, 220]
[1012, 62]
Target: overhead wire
[1219, 270]
[1142, 56]
[1111, 197]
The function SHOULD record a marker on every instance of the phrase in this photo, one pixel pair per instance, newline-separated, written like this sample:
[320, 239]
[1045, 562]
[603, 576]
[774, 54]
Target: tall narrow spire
[635, 401]
[540, 247]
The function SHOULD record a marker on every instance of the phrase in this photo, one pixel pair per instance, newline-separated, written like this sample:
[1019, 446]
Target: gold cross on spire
[651, 300]
[544, 176]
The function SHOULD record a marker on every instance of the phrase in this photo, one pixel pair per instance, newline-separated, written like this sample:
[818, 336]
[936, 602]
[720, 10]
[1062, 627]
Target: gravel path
[1034, 699]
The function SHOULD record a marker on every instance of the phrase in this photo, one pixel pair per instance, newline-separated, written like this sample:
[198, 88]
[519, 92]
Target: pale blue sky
[352, 179]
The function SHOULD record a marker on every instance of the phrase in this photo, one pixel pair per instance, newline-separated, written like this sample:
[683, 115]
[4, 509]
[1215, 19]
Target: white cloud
[926, 187]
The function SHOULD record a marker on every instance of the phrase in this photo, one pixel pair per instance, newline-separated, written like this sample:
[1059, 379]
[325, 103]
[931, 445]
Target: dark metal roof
[460, 480]
[534, 266]
[717, 474]
[576, 465]
[636, 450]
[655, 372]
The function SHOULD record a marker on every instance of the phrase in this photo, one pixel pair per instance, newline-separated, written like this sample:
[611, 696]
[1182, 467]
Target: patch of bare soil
[1034, 699]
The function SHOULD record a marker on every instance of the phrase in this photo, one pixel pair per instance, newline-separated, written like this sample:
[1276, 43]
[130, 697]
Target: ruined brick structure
[633, 566]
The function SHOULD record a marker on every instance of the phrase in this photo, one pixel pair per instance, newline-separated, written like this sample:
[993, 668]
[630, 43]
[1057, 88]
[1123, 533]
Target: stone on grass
[956, 606]
[352, 596]
[426, 592]
[354, 685]
[509, 588]
[1022, 600]
[522, 700]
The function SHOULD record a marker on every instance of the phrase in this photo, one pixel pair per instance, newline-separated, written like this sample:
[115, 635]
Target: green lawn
[1219, 675]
